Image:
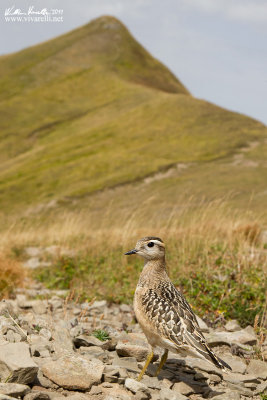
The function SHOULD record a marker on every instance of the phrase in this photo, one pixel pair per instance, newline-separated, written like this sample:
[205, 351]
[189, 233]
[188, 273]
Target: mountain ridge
[87, 110]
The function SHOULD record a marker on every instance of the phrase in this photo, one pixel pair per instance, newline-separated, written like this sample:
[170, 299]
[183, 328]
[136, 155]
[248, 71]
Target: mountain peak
[129, 59]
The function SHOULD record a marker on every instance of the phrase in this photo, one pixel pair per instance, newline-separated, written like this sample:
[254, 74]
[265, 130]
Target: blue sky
[217, 48]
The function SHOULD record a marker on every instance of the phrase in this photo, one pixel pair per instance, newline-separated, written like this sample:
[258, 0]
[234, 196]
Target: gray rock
[39, 307]
[187, 389]
[45, 333]
[16, 364]
[232, 326]
[151, 382]
[202, 324]
[12, 337]
[56, 303]
[126, 308]
[6, 308]
[76, 396]
[129, 363]
[14, 389]
[228, 395]
[76, 331]
[136, 387]
[6, 397]
[199, 364]
[258, 368]
[240, 378]
[86, 340]
[168, 394]
[74, 372]
[45, 382]
[39, 395]
[261, 388]
[229, 338]
[235, 363]
[133, 345]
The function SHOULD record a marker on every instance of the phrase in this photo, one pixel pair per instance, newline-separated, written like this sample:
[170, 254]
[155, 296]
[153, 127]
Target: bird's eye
[150, 244]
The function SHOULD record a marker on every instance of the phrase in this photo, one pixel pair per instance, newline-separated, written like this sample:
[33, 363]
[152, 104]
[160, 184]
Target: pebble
[232, 326]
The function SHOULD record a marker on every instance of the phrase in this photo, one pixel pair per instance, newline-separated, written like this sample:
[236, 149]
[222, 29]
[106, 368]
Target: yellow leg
[148, 360]
[162, 362]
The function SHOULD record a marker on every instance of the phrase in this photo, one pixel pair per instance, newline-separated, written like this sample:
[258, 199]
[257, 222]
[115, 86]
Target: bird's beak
[130, 252]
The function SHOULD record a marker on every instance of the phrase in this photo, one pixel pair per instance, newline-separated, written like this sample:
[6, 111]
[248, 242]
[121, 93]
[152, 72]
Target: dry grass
[214, 254]
[12, 275]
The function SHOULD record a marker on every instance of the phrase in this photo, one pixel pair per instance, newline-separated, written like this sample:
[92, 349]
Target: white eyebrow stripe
[157, 242]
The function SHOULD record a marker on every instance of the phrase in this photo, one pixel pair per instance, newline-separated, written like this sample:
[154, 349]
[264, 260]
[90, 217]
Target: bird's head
[150, 248]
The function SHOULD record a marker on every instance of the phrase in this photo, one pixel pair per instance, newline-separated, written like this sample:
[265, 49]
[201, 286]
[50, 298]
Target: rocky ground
[48, 351]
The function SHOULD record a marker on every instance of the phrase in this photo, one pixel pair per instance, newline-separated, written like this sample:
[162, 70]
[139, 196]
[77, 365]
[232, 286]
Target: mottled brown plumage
[162, 311]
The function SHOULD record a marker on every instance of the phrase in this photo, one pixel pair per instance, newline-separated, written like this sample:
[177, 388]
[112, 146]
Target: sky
[217, 48]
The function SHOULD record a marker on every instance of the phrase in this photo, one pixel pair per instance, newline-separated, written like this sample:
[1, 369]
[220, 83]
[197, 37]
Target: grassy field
[214, 256]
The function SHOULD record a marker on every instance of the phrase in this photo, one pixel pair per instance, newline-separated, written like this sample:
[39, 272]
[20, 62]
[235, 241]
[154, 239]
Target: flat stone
[240, 378]
[168, 394]
[235, 363]
[229, 338]
[187, 389]
[135, 386]
[6, 397]
[126, 308]
[74, 372]
[77, 396]
[232, 326]
[14, 389]
[16, 365]
[229, 395]
[128, 363]
[258, 368]
[261, 388]
[241, 389]
[199, 364]
[86, 341]
[12, 337]
[133, 345]
[151, 382]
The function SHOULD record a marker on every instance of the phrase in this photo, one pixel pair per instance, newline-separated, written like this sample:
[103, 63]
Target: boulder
[16, 364]
[74, 372]
[14, 389]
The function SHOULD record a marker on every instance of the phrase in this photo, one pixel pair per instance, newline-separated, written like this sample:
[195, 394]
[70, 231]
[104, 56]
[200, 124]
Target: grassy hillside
[93, 109]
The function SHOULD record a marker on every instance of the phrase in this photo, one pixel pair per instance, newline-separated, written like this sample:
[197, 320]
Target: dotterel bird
[162, 311]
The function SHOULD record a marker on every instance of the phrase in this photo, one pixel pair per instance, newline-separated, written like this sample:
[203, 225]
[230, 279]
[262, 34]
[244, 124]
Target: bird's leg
[148, 360]
[162, 362]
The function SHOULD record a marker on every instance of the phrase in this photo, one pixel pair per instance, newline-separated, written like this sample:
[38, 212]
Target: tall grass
[214, 254]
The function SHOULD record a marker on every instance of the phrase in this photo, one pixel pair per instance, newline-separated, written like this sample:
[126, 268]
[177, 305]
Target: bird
[162, 311]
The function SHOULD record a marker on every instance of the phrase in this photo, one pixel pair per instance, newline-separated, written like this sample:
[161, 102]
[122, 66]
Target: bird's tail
[218, 361]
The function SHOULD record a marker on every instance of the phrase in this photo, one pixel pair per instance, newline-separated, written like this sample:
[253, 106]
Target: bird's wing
[175, 320]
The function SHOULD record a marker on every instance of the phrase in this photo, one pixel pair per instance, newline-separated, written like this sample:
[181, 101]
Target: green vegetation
[101, 335]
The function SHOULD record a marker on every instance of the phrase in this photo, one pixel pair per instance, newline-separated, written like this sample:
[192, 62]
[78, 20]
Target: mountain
[92, 110]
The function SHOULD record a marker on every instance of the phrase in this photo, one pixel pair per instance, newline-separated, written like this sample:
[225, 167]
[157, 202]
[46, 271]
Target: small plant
[101, 335]
[37, 328]
[263, 396]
